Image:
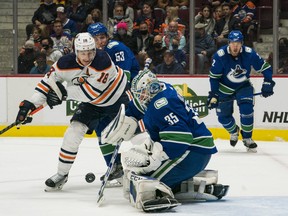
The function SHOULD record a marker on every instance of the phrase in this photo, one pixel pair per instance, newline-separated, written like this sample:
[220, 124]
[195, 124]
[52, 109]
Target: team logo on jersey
[160, 103]
[237, 75]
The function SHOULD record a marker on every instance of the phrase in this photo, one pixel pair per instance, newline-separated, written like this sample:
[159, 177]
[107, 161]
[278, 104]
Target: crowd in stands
[152, 29]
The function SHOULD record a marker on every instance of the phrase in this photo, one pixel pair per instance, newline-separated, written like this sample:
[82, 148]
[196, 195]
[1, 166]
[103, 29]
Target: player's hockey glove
[212, 100]
[25, 108]
[267, 88]
[53, 99]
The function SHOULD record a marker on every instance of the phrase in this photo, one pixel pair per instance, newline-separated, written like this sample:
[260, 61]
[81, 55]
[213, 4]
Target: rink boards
[271, 114]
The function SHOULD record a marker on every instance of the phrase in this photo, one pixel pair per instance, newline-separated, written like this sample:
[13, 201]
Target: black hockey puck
[90, 177]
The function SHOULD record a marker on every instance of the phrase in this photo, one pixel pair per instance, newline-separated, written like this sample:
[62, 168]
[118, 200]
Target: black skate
[56, 182]
[234, 137]
[250, 145]
[217, 190]
[160, 204]
[115, 178]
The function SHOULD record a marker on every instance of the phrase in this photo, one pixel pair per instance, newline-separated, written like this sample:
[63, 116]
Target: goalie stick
[108, 172]
[18, 122]
[223, 101]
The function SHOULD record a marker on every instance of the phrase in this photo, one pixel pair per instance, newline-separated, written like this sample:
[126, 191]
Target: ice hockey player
[101, 87]
[172, 159]
[229, 78]
[120, 54]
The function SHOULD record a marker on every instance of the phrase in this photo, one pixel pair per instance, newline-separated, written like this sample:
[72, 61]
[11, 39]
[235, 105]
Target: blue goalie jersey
[172, 122]
[229, 73]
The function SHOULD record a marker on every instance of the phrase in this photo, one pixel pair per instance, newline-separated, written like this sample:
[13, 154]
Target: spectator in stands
[37, 37]
[93, 17]
[245, 11]
[156, 52]
[213, 3]
[182, 4]
[45, 14]
[206, 16]
[26, 58]
[169, 66]
[172, 15]
[218, 13]
[122, 36]
[180, 55]
[119, 16]
[144, 39]
[62, 40]
[58, 2]
[52, 54]
[163, 4]
[77, 12]
[148, 16]
[128, 7]
[69, 26]
[225, 25]
[41, 66]
[172, 33]
[204, 48]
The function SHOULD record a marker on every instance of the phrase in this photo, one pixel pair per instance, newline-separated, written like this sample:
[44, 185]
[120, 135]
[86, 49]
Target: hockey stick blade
[203, 105]
[18, 122]
[107, 174]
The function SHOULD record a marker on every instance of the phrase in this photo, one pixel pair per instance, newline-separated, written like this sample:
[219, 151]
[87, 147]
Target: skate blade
[51, 189]
[252, 150]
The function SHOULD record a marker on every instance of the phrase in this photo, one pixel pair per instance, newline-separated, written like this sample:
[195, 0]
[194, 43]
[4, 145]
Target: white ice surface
[258, 182]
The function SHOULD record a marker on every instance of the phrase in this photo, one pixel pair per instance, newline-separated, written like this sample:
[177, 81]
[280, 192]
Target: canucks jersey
[101, 83]
[172, 122]
[122, 56]
[229, 73]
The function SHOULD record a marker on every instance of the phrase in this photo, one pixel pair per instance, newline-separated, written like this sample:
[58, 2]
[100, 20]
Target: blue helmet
[235, 36]
[97, 28]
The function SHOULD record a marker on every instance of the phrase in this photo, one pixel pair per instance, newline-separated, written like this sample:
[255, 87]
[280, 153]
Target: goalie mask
[144, 87]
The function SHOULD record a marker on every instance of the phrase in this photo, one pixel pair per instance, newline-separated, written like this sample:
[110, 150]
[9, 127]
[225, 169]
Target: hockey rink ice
[258, 181]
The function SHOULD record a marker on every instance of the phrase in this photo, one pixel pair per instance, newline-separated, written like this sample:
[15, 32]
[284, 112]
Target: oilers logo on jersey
[237, 75]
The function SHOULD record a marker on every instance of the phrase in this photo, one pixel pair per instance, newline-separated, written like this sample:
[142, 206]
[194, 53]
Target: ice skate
[217, 190]
[250, 145]
[56, 182]
[115, 179]
[160, 204]
[234, 137]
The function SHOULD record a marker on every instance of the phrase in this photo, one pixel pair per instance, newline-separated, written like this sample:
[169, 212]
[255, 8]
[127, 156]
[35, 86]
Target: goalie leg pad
[121, 127]
[202, 187]
[148, 193]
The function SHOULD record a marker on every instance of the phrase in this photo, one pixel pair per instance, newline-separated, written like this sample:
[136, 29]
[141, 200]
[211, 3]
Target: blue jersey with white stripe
[123, 57]
[229, 73]
[172, 122]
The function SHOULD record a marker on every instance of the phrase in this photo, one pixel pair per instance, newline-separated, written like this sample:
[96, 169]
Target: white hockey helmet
[84, 42]
[144, 87]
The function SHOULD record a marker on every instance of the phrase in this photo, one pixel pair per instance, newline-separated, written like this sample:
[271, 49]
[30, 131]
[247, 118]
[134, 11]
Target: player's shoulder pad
[67, 61]
[101, 61]
[112, 44]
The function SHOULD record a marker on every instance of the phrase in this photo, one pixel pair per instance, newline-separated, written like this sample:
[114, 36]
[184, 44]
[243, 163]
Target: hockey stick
[18, 122]
[108, 172]
[224, 101]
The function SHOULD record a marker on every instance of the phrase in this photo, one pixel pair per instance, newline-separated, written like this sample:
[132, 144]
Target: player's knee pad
[74, 136]
[143, 188]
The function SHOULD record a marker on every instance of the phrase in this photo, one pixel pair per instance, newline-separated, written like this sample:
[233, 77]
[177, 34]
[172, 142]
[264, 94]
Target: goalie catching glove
[25, 108]
[52, 97]
[144, 158]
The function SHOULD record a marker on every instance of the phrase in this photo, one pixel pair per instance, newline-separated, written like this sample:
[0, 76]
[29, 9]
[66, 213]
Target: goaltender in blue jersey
[178, 148]
[230, 79]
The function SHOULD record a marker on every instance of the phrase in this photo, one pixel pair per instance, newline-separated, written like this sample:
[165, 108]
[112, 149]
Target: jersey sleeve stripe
[42, 87]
